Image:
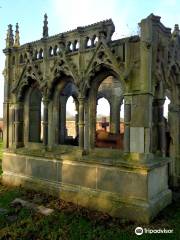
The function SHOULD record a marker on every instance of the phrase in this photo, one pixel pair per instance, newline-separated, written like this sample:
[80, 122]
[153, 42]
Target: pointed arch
[21, 59]
[100, 72]
[41, 53]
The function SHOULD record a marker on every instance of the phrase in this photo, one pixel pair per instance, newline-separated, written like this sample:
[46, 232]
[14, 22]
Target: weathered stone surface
[125, 183]
[77, 174]
[15, 163]
[137, 139]
[42, 169]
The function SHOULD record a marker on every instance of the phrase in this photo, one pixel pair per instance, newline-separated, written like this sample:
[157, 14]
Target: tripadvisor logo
[139, 231]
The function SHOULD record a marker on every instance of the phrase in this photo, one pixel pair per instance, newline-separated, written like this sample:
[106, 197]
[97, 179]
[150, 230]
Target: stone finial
[17, 38]
[10, 37]
[45, 26]
[176, 31]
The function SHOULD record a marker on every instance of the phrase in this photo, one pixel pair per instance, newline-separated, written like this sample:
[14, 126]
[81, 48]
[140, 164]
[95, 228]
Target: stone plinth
[123, 186]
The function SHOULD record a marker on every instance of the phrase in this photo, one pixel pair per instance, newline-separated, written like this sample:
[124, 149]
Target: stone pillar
[86, 125]
[161, 127]
[174, 125]
[45, 123]
[115, 117]
[7, 77]
[77, 118]
[81, 122]
[6, 124]
[127, 119]
[18, 124]
[62, 132]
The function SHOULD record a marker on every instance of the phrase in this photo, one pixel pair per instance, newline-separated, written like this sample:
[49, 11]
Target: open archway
[35, 99]
[107, 86]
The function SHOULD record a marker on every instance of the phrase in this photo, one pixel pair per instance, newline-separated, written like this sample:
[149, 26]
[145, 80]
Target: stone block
[137, 139]
[14, 163]
[42, 169]
[77, 174]
[122, 182]
[157, 181]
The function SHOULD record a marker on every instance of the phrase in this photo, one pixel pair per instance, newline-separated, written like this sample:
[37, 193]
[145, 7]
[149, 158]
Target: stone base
[133, 191]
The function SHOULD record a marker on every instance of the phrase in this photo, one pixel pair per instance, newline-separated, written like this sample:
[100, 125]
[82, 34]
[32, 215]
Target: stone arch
[75, 45]
[50, 51]
[94, 40]
[41, 53]
[34, 107]
[104, 71]
[13, 60]
[91, 93]
[35, 54]
[173, 92]
[69, 46]
[57, 106]
[55, 52]
[21, 59]
[87, 42]
[25, 56]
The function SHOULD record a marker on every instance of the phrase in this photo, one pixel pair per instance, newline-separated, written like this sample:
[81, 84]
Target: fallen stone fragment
[12, 218]
[3, 211]
[38, 208]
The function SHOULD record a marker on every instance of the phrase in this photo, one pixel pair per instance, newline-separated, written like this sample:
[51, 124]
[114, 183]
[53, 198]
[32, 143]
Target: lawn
[72, 222]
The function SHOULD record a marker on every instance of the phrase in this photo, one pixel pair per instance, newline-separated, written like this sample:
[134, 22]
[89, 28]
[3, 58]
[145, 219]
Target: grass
[70, 221]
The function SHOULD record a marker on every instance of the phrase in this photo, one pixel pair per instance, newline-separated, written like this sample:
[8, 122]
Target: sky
[69, 14]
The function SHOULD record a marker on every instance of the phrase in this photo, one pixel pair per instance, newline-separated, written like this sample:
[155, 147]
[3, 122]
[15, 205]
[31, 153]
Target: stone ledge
[137, 162]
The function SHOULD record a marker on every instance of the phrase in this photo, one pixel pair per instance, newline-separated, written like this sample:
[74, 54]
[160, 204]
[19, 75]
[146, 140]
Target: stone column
[77, 118]
[6, 104]
[161, 127]
[127, 119]
[18, 126]
[81, 122]
[6, 124]
[63, 100]
[114, 116]
[86, 125]
[45, 123]
[174, 125]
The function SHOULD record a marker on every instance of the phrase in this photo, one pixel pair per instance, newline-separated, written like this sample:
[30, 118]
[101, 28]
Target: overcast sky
[64, 15]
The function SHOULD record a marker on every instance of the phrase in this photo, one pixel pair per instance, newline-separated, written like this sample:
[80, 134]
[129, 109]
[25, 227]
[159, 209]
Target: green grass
[72, 222]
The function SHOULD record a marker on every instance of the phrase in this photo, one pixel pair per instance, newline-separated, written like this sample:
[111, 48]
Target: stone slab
[124, 182]
[82, 175]
[137, 139]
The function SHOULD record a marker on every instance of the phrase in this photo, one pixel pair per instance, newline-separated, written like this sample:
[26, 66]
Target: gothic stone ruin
[128, 180]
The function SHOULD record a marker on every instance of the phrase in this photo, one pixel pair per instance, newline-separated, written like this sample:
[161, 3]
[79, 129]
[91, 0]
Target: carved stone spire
[10, 37]
[45, 27]
[17, 38]
[176, 31]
